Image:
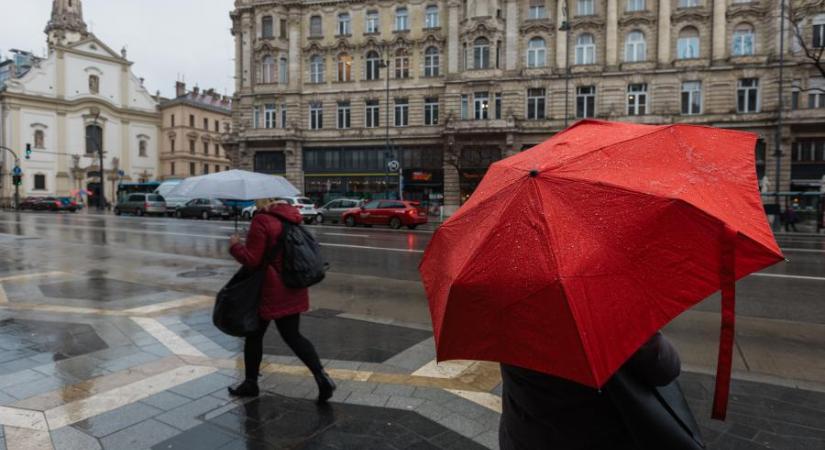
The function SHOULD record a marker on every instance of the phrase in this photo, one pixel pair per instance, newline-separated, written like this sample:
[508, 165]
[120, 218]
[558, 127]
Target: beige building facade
[327, 93]
[194, 125]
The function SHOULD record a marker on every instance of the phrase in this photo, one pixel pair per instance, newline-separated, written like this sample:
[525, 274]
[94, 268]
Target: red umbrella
[570, 255]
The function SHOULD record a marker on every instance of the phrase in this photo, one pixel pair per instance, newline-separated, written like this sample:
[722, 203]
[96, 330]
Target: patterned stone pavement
[92, 360]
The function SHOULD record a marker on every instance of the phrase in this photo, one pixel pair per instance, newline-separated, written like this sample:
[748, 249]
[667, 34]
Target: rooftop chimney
[180, 89]
[196, 90]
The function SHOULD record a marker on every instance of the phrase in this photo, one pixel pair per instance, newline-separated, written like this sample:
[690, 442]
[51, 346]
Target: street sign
[17, 171]
[120, 173]
[394, 166]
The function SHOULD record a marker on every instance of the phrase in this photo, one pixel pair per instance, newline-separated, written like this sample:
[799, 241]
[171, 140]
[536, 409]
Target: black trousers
[289, 328]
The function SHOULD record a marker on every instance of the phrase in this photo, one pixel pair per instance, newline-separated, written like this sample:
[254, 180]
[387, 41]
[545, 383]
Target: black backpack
[303, 265]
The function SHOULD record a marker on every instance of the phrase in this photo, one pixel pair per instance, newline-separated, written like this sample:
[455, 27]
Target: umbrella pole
[236, 219]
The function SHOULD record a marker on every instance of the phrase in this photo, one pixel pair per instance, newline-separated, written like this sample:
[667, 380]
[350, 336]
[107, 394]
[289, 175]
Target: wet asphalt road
[794, 290]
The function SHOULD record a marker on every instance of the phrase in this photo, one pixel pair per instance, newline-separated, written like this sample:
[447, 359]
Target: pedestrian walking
[278, 303]
[544, 411]
[791, 218]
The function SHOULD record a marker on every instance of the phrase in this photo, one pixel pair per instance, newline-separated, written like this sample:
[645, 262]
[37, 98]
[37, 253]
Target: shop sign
[422, 176]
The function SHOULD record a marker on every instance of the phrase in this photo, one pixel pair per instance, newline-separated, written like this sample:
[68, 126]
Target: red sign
[422, 176]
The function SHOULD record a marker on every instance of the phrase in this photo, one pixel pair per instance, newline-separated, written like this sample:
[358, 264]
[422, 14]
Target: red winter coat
[277, 300]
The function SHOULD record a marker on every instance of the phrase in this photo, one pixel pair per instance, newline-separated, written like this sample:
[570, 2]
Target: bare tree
[797, 11]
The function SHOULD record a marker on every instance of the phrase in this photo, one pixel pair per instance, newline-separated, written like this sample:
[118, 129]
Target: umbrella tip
[534, 173]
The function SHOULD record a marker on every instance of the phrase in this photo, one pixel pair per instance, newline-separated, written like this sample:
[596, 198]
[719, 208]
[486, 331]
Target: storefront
[474, 162]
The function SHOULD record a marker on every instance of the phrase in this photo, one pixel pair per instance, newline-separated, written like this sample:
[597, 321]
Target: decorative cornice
[745, 10]
[587, 22]
[537, 26]
[637, 18]
[690, 14]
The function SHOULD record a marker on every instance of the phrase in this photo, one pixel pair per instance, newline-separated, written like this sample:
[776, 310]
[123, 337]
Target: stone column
[561, 37]
[61, 74]
[720, 47]
[125, 76]
[63, 184]
[237, 30]
[246, 58]
[511, 35]
[452, 181]
[126, 150]
[612, 34]
[453, 45]
[294, 164]
[295, 79]
[663, 39]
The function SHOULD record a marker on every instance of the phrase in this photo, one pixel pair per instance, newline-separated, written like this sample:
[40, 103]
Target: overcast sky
[166, 39]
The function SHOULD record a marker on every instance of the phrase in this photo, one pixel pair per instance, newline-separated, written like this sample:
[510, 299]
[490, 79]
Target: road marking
[195, 300]
[487, 400]
[23, 418]
[345, 235]
[23, 439]
[446, 369]
[165, 336]
[3, 297]
[79, 410]
[365, 247]
[803, 250]
[782, 275]
[28, 276]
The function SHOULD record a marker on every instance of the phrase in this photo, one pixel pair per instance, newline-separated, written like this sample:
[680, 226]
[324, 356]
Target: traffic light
[28, 151]
[17, 180]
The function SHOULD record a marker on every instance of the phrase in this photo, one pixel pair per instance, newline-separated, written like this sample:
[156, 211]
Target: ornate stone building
[327, 92]
[81, 98]
[194, 124]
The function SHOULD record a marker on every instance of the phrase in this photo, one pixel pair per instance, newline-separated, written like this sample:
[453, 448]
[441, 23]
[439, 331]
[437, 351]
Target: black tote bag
[656, 417]
[236, 305]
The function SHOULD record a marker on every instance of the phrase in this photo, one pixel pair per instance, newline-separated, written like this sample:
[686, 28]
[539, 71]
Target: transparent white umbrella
[235, 185]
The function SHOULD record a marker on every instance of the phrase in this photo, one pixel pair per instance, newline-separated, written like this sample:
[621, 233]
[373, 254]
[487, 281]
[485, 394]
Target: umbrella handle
[727, 279]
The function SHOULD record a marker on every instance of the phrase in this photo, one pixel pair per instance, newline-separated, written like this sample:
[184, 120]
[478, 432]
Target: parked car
[140, 204]
[48, 204]
[305, 206]
[68, 204]
[204, 208]
[249, 212]
[332, 211]
[395, 213]
[30, 202]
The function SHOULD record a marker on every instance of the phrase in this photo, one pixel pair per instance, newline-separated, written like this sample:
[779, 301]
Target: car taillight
[412, 212]
[58, 203]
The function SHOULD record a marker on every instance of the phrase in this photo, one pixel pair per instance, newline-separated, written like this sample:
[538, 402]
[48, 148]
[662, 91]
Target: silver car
[332, 211]
[140, 204]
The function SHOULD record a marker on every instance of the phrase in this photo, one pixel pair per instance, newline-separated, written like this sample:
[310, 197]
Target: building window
[217, 150]
[256, 119]
[743, 40]
[217, 168]
[191, 121]
[372, 114]
[635, 5]
[94, 139]
[372, 22]
[431, 17]
[536, 10]
[268, 70]
[692, 97]
[464, 107]
[401, 19]
[283, 71]
[373, 65]
[402, 112]
[536, 53]
[269, 116]
[143, 151]
[481, 53]
[687, 46]
[635, 47]
[816, 93]
[39, 139]
[316, 116]
[747, 95]
[637, 99]
[192, 168]
[283, 115]
[282, 33]
[431, 111]
[316, 28]
[402, 64]
[535, 104]
[172, 168]
[172, 144]
[431, 62]
[344, 24]
[217, 127]
[173, 120]
[192, 146]
[316, 69]
[818, 31]
[266, 27]
[206, 148]
[688, 3]
[206, 124]
[343, 115]
[585, 101]
[39, 182]
[585, 7]
[344, 67]
[205, 169]
[795, 88]
[811, 150]
[498, 105]
[94, 84]
[585, 49]
[481, 105]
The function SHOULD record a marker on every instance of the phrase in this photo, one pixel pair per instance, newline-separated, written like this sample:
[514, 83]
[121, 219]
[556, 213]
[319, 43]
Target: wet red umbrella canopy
[570, 255]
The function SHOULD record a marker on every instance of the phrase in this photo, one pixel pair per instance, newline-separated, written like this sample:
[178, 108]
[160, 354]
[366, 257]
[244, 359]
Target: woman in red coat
[278, 302]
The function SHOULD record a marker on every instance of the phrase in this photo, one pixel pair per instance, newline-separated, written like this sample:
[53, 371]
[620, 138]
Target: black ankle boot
[326, 387]
[248, 388]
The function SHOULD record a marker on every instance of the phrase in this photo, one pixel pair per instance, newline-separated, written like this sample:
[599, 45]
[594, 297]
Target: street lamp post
[778, 132]
[565, 27]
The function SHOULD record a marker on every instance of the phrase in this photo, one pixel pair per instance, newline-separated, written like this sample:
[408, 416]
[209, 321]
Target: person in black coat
[540, 411]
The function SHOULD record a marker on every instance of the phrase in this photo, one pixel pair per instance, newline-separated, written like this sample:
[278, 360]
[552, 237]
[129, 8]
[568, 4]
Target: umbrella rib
[570, 309]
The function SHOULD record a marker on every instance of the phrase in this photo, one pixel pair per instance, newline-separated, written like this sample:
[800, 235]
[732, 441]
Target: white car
[308, 210]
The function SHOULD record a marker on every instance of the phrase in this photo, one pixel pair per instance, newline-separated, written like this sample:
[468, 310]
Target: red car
[395, 213]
